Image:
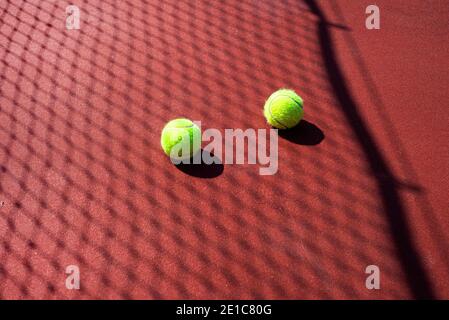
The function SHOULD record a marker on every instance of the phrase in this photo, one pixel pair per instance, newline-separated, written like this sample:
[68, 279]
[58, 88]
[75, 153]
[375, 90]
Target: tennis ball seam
[271, 102]
[273, 118]
[292, 98]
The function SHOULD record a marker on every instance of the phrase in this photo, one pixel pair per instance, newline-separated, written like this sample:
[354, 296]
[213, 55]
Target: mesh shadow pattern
[85, 182]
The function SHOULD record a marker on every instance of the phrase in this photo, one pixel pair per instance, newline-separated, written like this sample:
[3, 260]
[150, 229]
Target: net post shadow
[408, 255]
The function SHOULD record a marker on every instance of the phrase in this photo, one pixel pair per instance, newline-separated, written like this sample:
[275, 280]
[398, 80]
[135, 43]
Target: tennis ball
[284, 109]
[181, 139]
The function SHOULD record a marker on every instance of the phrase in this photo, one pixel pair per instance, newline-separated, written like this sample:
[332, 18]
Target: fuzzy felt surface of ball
[284, 109]
[181, 139]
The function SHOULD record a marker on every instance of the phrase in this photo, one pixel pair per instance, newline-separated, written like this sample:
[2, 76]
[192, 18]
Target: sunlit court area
[320, 169]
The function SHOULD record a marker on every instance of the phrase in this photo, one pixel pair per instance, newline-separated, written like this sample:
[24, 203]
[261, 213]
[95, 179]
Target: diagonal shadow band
[412, 265]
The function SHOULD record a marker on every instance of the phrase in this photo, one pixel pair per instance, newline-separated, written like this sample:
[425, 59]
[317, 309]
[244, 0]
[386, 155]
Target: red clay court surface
[84, 180]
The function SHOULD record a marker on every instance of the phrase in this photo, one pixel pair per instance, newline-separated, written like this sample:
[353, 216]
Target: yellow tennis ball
[181, 139]
[284, 109]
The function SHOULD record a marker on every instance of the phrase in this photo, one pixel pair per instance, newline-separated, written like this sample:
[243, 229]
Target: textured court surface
[84, 181]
